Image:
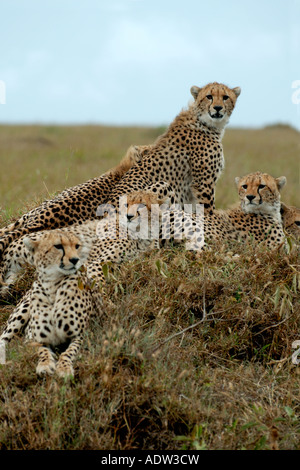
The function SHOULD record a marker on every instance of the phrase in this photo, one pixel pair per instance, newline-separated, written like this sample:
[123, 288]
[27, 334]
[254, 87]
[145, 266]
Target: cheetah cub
[291, 220]
[257, 218]
[55, 311]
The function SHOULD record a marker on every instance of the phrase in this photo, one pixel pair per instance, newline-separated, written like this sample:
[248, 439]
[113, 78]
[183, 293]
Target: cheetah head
[214, 103]
[143, 209]
[56, 253]
[260, 193]
[291, 220]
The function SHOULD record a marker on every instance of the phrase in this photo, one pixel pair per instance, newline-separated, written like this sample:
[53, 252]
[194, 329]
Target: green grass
[195, 352]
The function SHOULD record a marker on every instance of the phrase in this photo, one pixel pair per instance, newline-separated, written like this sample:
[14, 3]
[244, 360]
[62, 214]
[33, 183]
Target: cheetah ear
[237, 179]
[281, 181]
[237, 91]
[195, 91]
[283, 208]
[30, 244]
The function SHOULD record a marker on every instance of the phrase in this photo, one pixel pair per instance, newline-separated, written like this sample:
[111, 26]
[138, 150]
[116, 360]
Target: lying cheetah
[189, 155]
[259, 193]
[257, 218]
[291, 220]
[108, 237]
[55, 311]
[73, 205]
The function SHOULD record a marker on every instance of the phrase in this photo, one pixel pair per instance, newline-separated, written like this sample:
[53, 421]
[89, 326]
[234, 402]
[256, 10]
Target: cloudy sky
[132, 62]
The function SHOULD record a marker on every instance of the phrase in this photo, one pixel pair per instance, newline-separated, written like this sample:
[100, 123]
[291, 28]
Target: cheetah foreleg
[17, 321]
[64, 367]
[46, 361]
[163, 191]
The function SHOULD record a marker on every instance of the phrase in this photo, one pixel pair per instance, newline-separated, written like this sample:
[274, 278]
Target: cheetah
[258, 217]
[174, 224]
[189, 155]
[54, 313]
[291, 220]
[108, 238]
[73, 205]
[259, 193]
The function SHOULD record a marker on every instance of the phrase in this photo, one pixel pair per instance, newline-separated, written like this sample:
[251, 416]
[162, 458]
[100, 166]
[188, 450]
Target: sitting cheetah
[257, 218]
[73, 205]
[55, 311]
[189, 155]
[291, 220]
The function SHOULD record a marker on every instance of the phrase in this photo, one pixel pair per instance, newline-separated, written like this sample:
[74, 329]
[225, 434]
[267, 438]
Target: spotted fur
[291, 220]
[54, 313]
[259, 193]
[262, 224]
[189, 155]
[107, 237]
[73, 205]
[116, 242]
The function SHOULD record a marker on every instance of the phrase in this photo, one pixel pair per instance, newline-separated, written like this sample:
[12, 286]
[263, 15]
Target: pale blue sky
[132, 62]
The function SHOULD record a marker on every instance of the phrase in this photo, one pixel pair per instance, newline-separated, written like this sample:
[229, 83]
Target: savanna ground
[196, 352]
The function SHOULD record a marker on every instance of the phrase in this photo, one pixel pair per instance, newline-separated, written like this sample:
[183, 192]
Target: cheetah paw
[65, 371]
[45, 368]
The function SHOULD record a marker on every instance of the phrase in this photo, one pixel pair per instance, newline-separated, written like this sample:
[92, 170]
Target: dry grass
[42, 160]
[196, 351]
[274, 150]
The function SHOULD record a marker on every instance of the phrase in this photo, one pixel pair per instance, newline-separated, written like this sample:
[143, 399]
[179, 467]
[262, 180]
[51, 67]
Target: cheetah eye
[297, 223]
[59, 247]
[209, 97]
[77, 246]
[245, 186]
[225, 97]
[261, 186]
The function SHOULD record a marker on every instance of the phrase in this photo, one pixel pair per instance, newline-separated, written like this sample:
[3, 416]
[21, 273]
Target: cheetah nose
[218, 108]
[74, 260]
[250, 197]
[129, 217]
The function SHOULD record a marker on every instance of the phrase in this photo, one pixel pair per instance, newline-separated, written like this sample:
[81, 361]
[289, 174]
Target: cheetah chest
[56, 318]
